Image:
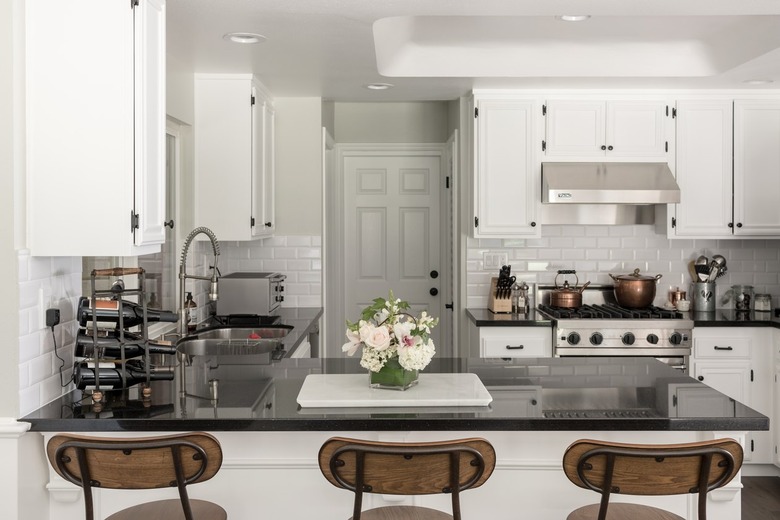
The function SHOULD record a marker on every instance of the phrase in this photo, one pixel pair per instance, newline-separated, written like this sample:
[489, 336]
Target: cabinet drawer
[510, 342]
[721, 348]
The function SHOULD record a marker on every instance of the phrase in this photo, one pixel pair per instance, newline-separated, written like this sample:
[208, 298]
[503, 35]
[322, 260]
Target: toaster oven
[250, 293]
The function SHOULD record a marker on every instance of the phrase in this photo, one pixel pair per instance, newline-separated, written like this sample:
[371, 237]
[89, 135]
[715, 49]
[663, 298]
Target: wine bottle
[109, 341]
[107, 312]
[135, 372]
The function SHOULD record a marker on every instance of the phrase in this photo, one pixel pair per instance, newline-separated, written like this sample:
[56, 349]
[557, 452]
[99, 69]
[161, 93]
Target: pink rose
[378, 338]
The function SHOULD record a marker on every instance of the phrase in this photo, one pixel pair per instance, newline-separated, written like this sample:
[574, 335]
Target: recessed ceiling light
[573, 17]
[241, 37]
[379, 86]
[757, 81]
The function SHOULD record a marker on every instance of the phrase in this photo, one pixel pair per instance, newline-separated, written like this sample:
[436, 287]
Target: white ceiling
[440, 49]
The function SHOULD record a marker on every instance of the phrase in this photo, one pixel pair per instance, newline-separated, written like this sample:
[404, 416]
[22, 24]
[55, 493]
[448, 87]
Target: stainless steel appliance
[600, 327]
[247, 293]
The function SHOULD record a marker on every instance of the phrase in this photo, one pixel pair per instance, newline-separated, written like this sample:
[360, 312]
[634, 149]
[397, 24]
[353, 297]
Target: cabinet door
[732, 379]
[262, 166]
[636, 129]
[756, 168]
[704, 137]
[149, 30]
[575, 128]
[507, 176]
[223, 155]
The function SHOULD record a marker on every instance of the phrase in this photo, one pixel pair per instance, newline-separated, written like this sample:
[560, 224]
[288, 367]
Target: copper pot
[634, 290]
[566, 296]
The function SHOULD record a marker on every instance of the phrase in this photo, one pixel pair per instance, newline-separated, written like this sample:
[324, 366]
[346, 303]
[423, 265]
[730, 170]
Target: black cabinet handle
[723, 348]
[515, 347]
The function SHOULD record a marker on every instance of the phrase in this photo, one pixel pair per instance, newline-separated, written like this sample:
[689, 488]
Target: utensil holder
[703, 296]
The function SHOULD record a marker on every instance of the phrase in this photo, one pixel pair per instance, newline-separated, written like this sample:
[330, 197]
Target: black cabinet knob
[731, 224]
[610, 147]
[603, 147]
[700, 378]
[268, 224]
[434, 274]
[434, 291]
[739, 224]
[533, 224]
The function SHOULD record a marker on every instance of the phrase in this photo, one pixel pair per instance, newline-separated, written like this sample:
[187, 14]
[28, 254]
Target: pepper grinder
[518, 299]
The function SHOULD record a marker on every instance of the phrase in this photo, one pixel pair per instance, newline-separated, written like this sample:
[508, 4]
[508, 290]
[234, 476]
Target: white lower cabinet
[737, 361]
[776, 393]
[514, 342]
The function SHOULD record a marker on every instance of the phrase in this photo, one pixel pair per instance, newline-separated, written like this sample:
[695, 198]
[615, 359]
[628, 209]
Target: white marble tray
[352, 391]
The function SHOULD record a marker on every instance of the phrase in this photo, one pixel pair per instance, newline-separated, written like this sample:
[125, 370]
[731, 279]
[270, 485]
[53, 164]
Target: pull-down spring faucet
[213, 295]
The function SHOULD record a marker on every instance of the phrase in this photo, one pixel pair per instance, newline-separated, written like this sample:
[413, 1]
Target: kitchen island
[538, 407]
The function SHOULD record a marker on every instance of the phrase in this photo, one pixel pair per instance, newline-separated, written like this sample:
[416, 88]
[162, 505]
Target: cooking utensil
[634, 290]
[702, 260]
[714, 270]
[567, 296]
[692, 270]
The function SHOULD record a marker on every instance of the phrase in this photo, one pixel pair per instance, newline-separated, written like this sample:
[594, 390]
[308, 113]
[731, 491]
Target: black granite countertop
[485, 318]
[732, 318]
[536, 394]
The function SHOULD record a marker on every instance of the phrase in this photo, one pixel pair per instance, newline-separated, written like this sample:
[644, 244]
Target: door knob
[434, 291]
[434, 274]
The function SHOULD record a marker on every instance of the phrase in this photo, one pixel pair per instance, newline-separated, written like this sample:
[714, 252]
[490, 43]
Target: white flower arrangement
[386, 330]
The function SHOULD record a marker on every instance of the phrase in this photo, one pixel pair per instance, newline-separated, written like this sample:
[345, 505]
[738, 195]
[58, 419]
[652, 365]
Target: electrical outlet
[493, 260]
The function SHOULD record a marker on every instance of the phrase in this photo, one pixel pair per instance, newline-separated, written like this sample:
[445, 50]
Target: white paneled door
[391, 232]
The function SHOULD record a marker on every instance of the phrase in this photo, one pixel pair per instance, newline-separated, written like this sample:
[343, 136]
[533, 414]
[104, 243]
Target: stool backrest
[407, 468]
[135, 463]
[646, 469]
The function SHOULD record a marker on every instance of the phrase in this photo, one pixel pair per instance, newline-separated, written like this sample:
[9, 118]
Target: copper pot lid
[635, 276]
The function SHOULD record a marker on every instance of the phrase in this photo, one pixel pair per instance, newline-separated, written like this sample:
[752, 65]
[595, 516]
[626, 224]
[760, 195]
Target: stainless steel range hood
[608, 183]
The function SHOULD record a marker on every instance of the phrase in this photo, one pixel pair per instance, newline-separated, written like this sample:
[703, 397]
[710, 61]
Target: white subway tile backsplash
[621, 249]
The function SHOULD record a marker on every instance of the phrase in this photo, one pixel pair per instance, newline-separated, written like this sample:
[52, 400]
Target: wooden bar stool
[406, 469]
[143, 463]
[645, 469]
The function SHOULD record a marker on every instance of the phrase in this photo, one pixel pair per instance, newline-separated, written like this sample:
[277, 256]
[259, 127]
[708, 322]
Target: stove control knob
[573, 338]
[596, 338]
[652, 339]
[676, 338]
[628, 338]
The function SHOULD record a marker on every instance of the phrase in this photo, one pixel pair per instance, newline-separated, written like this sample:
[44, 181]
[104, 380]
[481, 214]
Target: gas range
[600, 327]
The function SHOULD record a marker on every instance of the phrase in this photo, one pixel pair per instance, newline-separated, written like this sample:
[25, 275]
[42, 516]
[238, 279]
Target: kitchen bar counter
[543, 394]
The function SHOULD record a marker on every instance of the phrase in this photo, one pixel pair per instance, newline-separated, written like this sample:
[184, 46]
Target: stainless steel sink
[245, 333]
[236, 341]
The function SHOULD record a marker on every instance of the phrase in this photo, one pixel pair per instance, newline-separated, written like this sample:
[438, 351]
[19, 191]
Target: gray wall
[419, 122]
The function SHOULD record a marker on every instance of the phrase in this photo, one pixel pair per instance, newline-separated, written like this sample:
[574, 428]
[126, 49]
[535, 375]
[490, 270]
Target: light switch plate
[492, 260]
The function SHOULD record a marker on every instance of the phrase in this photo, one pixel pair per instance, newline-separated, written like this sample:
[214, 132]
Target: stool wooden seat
[141, 463]
[646, 469]
[406, 469]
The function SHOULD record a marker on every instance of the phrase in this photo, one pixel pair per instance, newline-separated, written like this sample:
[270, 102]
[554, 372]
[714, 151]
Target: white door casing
[391, 211]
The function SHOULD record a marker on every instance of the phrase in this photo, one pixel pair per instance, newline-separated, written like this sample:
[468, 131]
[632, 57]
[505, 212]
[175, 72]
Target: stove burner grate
[610, 310]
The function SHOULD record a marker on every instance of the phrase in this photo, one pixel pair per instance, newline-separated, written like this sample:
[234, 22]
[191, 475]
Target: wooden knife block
[499, 305]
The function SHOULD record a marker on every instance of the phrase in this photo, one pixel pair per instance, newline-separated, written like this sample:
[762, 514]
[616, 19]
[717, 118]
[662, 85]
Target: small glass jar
[762, 303]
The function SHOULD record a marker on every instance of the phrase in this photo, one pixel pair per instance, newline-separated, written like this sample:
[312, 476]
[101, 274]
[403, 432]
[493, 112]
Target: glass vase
[393, 376]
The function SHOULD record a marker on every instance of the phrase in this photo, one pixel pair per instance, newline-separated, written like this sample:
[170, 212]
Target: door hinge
[751, 375]
[134, 221]
[252, 221]
[447, 182]
[674, 112]
[752, 445]
[674, 222]
[450, 306]
[544, 145]
[667, 110]
[476, 112]
[134, 3]
[476, 221]
[666, 146]
[544, 110]
[253, 100]
[674, 400]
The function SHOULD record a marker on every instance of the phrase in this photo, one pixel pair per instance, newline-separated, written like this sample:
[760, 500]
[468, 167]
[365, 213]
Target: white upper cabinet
[625, 130]
[95, 122]
[756, 168]
[234, 156]
[728, 169]
[507, 171]
[704, 137]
